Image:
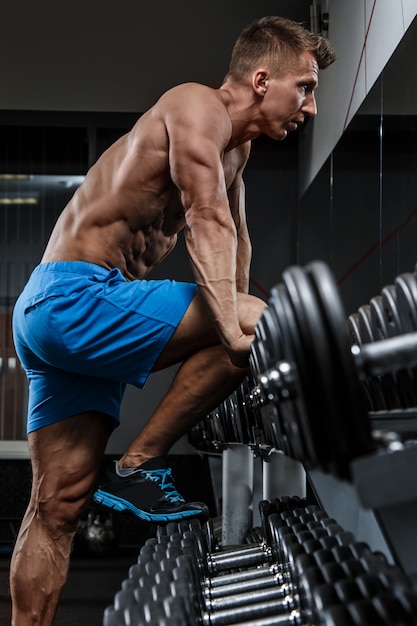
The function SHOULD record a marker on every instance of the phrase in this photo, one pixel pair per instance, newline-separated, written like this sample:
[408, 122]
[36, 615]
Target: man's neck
[240, 102]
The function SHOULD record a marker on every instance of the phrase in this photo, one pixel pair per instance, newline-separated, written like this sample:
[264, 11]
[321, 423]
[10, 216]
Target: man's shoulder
[191, 93]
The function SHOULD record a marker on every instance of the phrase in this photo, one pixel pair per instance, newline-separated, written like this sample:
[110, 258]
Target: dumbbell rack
[305, 570]
[338, 395]
[332, 407]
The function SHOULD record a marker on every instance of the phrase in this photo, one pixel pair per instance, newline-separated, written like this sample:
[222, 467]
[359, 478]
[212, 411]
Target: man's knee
[60, 504]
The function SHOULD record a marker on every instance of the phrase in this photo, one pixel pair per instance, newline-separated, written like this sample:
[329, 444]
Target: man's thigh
[196, 330]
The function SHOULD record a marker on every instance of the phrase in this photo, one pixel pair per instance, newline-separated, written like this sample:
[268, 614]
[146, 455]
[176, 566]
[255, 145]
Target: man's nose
[309, 106]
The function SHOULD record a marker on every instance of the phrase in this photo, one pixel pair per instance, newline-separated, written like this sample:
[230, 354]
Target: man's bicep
[196, 170]
[197, 138]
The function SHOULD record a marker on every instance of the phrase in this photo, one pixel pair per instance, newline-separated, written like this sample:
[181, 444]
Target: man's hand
[239, 350]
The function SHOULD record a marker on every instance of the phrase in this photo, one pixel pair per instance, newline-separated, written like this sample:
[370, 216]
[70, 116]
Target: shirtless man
[87, 323]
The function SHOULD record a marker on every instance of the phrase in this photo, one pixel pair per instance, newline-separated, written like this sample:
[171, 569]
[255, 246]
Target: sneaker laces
[164, 476]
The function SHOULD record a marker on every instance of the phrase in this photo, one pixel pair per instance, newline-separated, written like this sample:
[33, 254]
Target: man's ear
[260, 81]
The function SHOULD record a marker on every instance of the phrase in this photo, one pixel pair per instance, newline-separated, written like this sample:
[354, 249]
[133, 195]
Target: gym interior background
[344, 190]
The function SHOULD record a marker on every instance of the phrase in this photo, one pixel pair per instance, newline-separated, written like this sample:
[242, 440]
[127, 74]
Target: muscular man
[87, 322]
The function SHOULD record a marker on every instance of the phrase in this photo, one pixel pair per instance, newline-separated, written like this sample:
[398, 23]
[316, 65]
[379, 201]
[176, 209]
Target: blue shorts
[83, 332]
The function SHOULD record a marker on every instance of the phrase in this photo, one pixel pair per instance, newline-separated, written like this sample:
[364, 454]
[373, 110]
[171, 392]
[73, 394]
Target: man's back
[128, 211]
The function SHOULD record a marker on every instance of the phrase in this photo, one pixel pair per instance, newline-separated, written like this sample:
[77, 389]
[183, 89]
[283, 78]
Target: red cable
[377, 245]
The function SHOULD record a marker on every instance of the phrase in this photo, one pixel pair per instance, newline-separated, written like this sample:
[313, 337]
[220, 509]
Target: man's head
[279, 60]
[277, 43]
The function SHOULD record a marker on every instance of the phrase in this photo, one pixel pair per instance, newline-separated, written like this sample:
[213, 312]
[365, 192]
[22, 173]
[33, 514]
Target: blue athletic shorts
[83, 332]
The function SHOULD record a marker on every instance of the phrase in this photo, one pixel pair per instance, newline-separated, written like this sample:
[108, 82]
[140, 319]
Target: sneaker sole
[118, 504]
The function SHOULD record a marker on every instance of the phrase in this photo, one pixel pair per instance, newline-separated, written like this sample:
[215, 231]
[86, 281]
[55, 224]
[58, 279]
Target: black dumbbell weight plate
[333, 394]
[266, 350]
[378, 319]
[308, 339]
[395, 395]
[389, 302]
[373, 403]
[350, 423]
[392, 313]
[314, 442]
[365, 324]
[406, 290]
[400, 304]
[353, 328]
[364, 328]
[296, 424]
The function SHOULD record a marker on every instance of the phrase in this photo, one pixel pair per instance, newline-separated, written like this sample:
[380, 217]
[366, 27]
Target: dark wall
[360, 213]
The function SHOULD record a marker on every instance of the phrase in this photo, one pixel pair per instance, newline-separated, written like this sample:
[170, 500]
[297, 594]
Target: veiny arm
[236, 195]
[198, 131]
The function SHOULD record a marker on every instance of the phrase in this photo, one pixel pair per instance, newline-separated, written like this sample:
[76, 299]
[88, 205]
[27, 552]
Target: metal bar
[246, 613]
[246, 598]
[244, 575]
[240, 560]
[237, 488]
[389, 355]
[281, 476]
[253, 584]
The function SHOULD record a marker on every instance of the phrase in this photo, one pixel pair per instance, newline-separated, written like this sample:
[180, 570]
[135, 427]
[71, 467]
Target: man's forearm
[212, 247]
[243, 260]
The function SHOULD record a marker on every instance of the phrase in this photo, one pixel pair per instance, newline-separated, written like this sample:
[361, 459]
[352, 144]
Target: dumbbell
[235, 420]
[224, 613]
[230, 608]
[381, 319]
[318, 374]
[182, 574]
[133, 594]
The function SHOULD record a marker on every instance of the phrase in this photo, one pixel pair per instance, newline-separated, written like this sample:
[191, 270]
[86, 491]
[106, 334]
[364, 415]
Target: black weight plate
[354, 330]
[274, 423]
[255, 362]
[314, 366]
[365, 324]
[407, 378]
[248, 420]
[241, 423]
[272, 334]
[333, 394]
[296, 423]
[395, 395]
[355, 340]
[267, 332]
[231, 419]
[351, 421]
[406, 290]
[266, 350]
[260, 363]
[401, 300]
[216, 427]
[389, 303]
[304, 337]
[379, 400]
[264, 357]
[286, 418]
[378, 319]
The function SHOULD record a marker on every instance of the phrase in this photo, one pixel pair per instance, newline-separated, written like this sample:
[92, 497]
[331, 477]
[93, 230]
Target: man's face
[289, 99]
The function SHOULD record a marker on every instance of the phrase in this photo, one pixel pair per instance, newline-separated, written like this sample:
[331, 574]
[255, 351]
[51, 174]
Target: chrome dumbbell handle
[250, 583]
[242, 576]
[249, 611]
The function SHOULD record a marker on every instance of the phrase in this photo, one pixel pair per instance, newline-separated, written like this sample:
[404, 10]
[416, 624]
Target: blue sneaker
[148, 492]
